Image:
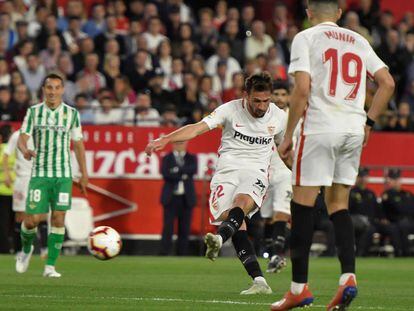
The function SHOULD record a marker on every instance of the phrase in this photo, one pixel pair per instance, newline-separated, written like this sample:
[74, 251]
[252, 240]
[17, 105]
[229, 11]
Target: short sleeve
[373, 63]
[27, 125]
[12, 144]
[218, 117]
[282, 128]
[299, 57]
[76, 128]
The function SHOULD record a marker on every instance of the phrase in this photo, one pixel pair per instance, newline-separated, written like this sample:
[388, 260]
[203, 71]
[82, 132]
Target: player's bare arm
[184, 133]
[298, 104]
[22, 145]
[385, 90]
[7, 175]
[79, 149]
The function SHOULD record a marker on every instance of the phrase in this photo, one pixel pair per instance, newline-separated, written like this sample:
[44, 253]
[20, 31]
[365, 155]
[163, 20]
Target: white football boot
[50, 272]
[23, 260]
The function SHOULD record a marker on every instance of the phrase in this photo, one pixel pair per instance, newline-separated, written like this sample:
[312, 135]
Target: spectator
[236, 91]
[107, 114]
[96, 24]
[402, 121]
[20, 102]
[197, 67]
[122, 22]
[74, 8]
[207, 34]
[6, 110]
[164, 56]
[133, 38]
[153, 35]
[6, 31]
[145, 115]
[185, 11]
[5, 77]
[123, 93]
[352, 23]
[50, 55]
[140, 73]
[160, 97]
[277, 27]
[90, 77]
[221, 14]
[396, 57]
[111, 68]
[178, 197]
[173, 23]
[16, 78]
[186, 98]
[74, 34]
[34, 73]
[398, 207]
[169, 117]
[247, 18]
[49, 28]
[174, 81]
[86, 46]
[110, 33]
[258, 42]
[221, 80]
[87, 115]
[135, 9]
[24, 48]
[368, 13]
[65, 66]
[35, 25]
[206, 90]
[22, 30]
[380, 30]
[188, 52]
[222, 55]
[233, 37]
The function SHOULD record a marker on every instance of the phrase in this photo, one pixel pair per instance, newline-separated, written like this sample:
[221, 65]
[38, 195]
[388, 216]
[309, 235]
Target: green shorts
[49, 191]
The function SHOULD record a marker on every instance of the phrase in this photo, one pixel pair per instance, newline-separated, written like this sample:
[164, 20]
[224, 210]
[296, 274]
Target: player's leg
[246, 254]
[61, 199]
[37, 203]
[21, 188]
[348, 155]
[276, 244]
[43, 235]
[336, 198]
[18, 219]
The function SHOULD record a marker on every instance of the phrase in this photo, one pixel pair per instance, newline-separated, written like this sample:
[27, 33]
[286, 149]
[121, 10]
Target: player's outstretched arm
[184, 133]
[381, 98]
[79, 149]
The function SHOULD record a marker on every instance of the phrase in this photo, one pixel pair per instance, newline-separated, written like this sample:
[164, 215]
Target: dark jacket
[172, 174]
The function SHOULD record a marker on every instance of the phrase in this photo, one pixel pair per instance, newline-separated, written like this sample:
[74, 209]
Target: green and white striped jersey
[52, 131]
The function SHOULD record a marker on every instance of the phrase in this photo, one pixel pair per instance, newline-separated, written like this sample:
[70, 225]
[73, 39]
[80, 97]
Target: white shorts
[226, 185]
[278, 196]
[21, 187]
[324, 159]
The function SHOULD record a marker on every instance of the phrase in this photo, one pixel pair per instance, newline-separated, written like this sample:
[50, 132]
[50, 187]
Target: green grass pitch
[170, 283]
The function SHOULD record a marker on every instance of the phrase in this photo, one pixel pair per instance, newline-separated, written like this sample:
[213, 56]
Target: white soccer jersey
[338, 61]
[23, 167]
[246, 142]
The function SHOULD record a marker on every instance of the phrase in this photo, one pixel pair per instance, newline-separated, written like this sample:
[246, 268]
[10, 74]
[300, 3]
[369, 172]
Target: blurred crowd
[170, 62]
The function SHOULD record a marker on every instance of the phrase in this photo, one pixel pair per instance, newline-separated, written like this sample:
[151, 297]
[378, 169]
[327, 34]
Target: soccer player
[22, 169]
[330, 65]
[52, 124]
[249, 127]
[276, 207]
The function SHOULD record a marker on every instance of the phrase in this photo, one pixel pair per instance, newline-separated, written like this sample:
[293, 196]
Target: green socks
[54, 244]
[27, 236]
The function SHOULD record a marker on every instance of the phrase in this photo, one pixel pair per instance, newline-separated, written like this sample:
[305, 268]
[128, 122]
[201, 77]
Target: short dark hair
[323, 1]
[259, 82]
[281, 84]
[53, 76]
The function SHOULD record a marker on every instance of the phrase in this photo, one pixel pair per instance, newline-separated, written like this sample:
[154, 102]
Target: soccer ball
[104, 243]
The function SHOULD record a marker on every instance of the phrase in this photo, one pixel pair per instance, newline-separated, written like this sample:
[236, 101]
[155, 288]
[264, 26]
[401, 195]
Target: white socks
[344, 277]
[260, 279]
[297, 288]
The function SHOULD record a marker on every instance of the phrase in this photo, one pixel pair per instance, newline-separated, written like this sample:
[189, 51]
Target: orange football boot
[344, 296]
[290, 301]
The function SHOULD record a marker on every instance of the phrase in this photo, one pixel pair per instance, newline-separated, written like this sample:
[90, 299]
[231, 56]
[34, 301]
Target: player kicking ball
[250, 127]
[330, 65]
[52, 124]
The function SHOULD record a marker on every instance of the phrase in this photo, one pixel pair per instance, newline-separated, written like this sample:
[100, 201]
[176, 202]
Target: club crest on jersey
[271, 129]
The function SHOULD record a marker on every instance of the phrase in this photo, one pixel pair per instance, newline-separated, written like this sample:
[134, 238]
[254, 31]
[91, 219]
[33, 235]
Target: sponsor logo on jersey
[259, 184]
[32, 206]
[271, 129]
[253, 140]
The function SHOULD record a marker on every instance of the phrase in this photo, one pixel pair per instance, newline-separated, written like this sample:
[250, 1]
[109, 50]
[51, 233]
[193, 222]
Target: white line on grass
[161, 299]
